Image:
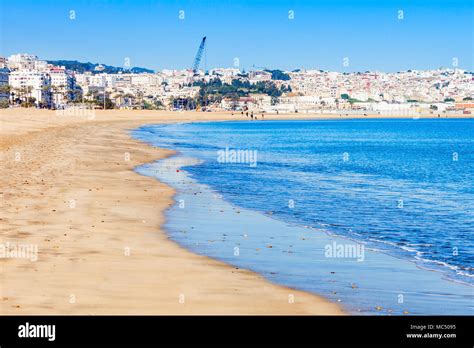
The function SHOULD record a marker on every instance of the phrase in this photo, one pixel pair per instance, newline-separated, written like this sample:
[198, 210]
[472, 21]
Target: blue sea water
[402, 187]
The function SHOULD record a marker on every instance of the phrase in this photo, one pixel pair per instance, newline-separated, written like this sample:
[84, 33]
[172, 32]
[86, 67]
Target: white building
[360, 95]
[62, 85]
[24, 61]
[225, 73]
[145, 80]
[97, 80]
[259, 76]
[28, 84]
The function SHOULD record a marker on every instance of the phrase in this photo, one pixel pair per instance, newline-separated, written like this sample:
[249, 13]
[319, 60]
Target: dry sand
[67, 187]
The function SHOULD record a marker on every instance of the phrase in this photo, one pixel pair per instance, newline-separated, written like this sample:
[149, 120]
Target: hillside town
[27, 81]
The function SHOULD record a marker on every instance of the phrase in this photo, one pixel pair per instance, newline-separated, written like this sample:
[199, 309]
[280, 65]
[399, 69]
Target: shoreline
[72, 158]
[74, 196]
[205, 217]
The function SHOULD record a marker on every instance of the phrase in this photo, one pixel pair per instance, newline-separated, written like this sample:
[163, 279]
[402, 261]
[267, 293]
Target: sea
[375, 214]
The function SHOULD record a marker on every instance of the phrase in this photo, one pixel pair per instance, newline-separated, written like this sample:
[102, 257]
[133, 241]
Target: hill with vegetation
[90, 67]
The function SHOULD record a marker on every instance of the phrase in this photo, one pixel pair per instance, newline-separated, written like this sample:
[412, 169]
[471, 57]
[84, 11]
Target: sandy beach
[68, 186]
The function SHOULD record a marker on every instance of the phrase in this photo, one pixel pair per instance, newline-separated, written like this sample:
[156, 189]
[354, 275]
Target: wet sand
[68, 186]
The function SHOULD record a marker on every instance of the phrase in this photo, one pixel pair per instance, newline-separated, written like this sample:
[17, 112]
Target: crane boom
[197, 60]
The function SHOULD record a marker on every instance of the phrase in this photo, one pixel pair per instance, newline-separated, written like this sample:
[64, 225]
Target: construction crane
[197, 60]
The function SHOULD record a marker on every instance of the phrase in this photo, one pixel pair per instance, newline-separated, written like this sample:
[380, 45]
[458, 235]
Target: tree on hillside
[279, 75]
[345, 96]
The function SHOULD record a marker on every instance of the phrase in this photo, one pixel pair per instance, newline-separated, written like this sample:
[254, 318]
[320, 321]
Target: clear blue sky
[259, 32]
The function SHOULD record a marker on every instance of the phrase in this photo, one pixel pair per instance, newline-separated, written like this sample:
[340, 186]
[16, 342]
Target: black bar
[242, 330]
